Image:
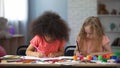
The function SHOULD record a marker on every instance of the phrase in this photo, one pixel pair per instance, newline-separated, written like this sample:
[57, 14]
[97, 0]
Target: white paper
[47, 58]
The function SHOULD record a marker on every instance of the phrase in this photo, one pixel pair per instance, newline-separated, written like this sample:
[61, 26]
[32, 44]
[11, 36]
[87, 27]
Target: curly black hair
[50, 23]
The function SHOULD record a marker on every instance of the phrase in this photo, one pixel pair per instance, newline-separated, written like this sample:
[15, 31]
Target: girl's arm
[59, 53]
[31, 52]
[77, 52]
[107, 50]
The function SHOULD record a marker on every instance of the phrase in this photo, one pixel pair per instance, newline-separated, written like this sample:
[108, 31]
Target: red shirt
[46, 48]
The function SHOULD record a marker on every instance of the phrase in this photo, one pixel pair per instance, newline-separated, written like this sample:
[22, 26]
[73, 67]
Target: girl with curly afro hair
[50, 33]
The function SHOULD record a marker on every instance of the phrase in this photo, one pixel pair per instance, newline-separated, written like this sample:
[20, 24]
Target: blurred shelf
[112, 31]
[109, 15]
[116, 48]
[11, 44]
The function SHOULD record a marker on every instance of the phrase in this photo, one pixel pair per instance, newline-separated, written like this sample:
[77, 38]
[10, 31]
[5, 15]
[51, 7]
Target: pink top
[46, 48]
[88, 45]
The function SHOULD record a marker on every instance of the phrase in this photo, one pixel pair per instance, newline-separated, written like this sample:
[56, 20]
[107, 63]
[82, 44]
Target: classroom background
[21, 13]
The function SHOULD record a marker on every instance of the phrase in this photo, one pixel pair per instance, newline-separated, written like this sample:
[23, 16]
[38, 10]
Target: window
[15, 9]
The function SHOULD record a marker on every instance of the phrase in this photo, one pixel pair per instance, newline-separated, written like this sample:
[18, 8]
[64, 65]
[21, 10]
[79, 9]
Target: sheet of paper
[11, 57]
[47, 58]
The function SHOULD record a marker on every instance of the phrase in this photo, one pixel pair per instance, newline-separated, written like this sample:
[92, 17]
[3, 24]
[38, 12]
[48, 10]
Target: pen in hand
[42, 54]
[78, 48]
[81, 57]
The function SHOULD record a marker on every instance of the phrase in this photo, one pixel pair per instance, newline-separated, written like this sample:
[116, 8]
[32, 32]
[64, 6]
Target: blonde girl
[91, 39]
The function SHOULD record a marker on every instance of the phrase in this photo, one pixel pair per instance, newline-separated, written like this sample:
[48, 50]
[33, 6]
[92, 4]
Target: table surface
[58, 65]
[44, 64]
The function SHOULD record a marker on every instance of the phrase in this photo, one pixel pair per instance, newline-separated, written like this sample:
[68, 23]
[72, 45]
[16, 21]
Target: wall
[78, 10]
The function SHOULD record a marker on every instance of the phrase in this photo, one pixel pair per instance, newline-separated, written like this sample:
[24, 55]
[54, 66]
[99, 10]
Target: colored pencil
[78, 46]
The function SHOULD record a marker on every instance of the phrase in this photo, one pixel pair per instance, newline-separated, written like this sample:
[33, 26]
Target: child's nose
[88, 35]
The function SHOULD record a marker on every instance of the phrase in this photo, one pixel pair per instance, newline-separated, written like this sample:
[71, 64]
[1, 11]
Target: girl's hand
[51, 55]
[37, 54]
[77, 53]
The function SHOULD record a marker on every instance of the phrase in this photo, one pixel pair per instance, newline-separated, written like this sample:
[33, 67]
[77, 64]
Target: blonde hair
[97, 32]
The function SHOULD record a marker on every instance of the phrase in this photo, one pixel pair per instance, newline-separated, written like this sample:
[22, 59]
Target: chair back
[21, 50]
[69, 50]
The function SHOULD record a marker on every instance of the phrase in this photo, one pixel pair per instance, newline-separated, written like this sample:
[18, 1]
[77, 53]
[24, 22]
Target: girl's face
[48, 38]
[88, 31]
